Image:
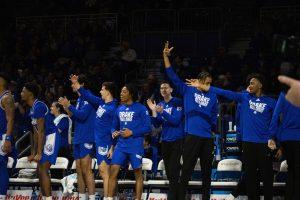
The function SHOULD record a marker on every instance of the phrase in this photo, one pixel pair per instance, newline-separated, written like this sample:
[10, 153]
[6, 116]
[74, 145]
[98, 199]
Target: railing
[20, 140]
[267, 13]
[190, 43]
[107, 21]
[200, 19]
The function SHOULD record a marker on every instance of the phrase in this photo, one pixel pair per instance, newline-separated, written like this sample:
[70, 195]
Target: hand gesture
[271, 144]
[293, 94]
[37, 158]
[74, 78]
[151, 104]
[159, 109]
[30, 158]
[197, 84]
[64, 102]
[115, 134]
[7, 146]
[110, 152]
[126, 133]
[167, 50]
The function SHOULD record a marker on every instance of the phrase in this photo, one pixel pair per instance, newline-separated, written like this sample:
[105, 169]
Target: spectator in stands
[83, 116]
[169, 115]
[46, 138]
[256, 111]
[130, 124]
[200, 109]
[7, 115]
[106, 107]
[150, 90]
[128, 58]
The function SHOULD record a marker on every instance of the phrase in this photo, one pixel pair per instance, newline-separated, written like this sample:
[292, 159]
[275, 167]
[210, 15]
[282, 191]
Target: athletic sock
[92, 197]
[82, 196]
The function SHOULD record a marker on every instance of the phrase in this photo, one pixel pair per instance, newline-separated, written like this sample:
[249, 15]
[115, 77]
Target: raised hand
[73, 78]
[293, 94]
[167, 50]
[64, 102]
[193, 82]
[197, 84]
[151, 104]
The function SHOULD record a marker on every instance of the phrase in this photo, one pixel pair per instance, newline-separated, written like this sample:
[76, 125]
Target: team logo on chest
[201, 99]
[168, 110]
[257, 107]
[126, 116]
[100, 111]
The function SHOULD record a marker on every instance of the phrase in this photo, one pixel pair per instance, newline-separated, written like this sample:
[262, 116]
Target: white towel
[57, 120]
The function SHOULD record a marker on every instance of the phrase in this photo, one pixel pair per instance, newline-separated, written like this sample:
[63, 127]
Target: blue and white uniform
[136, 118]
[52, 138]
[103, 122]
[200, 108]
[171, 119]
[84, 119]
[255, 114]
[64, 126]
[4, 180]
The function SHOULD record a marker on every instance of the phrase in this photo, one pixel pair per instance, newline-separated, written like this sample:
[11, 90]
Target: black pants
[171, 153]
[258, 156]
[291, 151]
[197, 147]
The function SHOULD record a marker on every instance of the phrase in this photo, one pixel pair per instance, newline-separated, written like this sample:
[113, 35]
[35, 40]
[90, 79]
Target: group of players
[115, 132]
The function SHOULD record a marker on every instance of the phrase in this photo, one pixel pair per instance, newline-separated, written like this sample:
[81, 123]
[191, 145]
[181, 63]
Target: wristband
[8, 138]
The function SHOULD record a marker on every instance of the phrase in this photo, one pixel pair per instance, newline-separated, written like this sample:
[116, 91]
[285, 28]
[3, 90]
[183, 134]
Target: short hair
[132, 91]
[82, 79]
[60, 107]
[165, 82]
[257, 76]
[33, 88]
[111, 87]
[203, 75]
[5, 78]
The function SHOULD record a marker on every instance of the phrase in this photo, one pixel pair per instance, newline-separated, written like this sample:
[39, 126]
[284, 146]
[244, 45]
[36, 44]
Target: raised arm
[179, 84]
[88, 96]
[83, 113]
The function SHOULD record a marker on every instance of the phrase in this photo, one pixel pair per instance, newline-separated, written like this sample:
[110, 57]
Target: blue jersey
[64, 126]
[84, 119]
[40, 110]
[200, 108]
[136, 118]
[3, 121]
[171, 119]
[104, 116]
[288, 128]
[256, 114]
